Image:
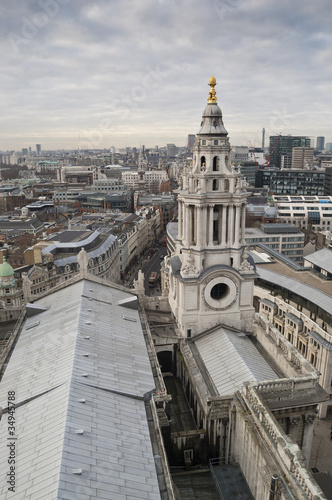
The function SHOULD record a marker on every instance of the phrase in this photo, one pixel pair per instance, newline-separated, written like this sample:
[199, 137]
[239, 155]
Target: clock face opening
[219, 291]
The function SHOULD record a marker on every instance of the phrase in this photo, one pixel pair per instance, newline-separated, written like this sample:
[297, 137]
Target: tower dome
[212, 123]
[5, 269]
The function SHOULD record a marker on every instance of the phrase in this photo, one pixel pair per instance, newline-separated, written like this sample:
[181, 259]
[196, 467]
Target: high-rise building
[191, 140]
[328, 146]
[281, 149]
[328, 181]
[38, 149]
[320, 143]
[24, 151]
[302, 157]
[263, 138]
[171, 150]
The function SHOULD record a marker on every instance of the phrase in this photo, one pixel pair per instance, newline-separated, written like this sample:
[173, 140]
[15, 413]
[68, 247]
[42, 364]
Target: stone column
[190, 218]
[187, 224]
[199, 227]
[237, 224]
[295, 428]
[230, 225]
[204, 225]
[308, 433]
[180, 224]
[220, 208]
[243, 222]
[211, 207]
[224, 225]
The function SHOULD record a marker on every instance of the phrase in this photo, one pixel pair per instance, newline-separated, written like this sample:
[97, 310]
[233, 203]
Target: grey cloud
[93, 60]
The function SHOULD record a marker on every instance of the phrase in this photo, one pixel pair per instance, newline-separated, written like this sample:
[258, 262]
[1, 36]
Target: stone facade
[304, 333]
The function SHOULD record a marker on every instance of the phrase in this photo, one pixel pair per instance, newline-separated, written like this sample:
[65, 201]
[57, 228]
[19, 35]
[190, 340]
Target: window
[219, 291]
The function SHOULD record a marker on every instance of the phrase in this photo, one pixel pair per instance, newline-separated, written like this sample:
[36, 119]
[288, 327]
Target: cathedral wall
[246, 293]
[10, 314]
[248, 452]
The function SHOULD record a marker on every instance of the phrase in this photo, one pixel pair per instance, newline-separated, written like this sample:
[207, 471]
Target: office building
[315, 211]
[191, 140]
[171, 150]
[288, 181]
[286, 239]
[328, 181]
[302, 157]
[320, 142]
[281, 147]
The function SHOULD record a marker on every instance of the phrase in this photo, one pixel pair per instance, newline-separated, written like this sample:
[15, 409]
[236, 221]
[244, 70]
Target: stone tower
[10, 296]
[208, 278]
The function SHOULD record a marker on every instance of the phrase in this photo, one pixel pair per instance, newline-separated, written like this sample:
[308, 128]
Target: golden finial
[212, 94]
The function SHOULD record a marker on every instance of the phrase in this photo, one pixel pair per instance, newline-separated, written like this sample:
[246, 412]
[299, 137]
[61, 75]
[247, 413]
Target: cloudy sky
[78, 73]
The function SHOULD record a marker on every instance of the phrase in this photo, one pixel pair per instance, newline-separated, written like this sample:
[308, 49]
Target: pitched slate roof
[80, 370]
[231, 359]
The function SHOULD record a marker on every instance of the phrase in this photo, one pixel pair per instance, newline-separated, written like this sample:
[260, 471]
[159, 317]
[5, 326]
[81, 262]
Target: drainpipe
[274, 487]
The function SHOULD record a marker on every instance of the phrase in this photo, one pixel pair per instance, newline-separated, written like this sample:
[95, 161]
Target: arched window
[215, 185]
[226, 185]
[215, 167]
[203, 163]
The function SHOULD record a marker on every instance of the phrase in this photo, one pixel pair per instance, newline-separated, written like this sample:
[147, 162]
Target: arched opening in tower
[215, 166]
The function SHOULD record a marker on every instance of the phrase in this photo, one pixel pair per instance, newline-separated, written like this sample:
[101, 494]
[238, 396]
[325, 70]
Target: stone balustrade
[286, 452]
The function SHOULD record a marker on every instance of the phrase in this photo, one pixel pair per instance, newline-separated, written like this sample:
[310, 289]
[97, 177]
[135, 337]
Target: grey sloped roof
[80, 366]
[298, 287]
[231, 359]
[322, 258]
[53, 248]
[100, 250]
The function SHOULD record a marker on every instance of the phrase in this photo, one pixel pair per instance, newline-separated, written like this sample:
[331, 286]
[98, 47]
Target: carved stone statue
[83, 261]
[188, 267]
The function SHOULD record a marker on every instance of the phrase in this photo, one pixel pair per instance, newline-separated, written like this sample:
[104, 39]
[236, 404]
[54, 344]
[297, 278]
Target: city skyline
[81, 75]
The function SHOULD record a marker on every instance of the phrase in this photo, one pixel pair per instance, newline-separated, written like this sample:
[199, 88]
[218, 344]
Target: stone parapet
[285, 452]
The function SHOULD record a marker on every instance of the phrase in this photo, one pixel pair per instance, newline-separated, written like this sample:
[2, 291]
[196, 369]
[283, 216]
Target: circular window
[219, 291]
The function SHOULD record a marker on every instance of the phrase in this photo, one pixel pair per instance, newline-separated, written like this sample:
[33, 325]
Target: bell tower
[208, 278]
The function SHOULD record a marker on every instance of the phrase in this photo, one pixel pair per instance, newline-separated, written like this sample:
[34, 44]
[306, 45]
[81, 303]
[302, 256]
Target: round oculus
[220, 292]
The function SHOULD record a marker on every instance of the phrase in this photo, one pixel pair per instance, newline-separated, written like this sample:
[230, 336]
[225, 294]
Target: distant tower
[320, 144]
[191, 140]
[209, 278]
[141, 169]
[38, 149]
[263, 138]
[10, 296]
